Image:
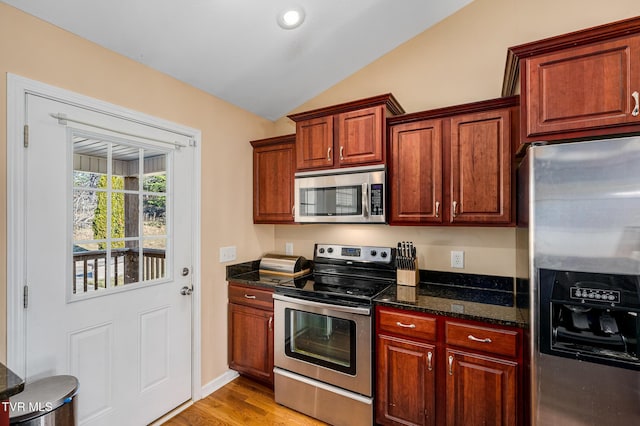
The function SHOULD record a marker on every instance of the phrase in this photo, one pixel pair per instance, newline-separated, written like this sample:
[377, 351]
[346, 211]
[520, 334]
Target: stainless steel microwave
[348, 195]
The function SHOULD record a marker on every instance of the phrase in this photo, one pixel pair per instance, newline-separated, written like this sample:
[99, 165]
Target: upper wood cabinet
[273, 174]
[578, 85]
[454, 165]
[344, 135]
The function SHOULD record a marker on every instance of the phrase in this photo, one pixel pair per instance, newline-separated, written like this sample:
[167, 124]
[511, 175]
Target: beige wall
[458, 60]
[39, 51]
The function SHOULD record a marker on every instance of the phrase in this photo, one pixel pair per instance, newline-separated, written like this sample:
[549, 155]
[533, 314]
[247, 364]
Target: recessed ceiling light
[291, 18]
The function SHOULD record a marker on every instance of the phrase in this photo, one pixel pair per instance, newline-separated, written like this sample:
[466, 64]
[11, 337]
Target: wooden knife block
[408, 276]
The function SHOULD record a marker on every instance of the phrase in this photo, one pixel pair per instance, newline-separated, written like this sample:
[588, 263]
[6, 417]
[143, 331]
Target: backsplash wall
[489, 251]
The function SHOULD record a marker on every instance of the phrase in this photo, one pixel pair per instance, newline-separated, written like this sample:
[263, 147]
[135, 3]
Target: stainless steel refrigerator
[582, 218]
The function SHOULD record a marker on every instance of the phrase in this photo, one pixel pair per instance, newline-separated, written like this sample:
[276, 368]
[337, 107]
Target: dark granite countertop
[10, 383]
[487, 298]
[490, 306]
[248, 273]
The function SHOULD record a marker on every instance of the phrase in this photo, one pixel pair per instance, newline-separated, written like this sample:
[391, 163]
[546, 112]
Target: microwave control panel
[377, 199]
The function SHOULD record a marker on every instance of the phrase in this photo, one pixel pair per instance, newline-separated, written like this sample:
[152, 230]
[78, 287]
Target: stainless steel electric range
[323, 338]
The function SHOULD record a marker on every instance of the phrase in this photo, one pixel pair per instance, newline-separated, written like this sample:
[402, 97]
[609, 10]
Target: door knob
[185, 291]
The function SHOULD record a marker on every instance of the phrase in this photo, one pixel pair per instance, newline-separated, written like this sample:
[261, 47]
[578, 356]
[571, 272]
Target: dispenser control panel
[595, 295]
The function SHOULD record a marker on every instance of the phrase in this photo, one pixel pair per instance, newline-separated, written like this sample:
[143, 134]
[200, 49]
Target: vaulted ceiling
[235, 50]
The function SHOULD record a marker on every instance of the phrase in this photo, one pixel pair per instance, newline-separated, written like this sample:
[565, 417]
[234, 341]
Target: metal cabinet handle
[455, 208]
[451, 365]
[271, 323]
[399, 324]
[437, 208]
[329, 154]
[249, 296]
[429, 360]
[293, 210]
[341, 151]
[636, 109]
[477, 339]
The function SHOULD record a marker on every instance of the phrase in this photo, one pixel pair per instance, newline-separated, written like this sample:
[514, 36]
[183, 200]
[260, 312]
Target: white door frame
[17, 89]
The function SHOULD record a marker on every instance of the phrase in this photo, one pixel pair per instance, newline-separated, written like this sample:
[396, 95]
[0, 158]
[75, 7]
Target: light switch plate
[227, 254]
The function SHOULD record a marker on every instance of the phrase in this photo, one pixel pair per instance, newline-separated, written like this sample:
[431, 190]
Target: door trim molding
[17, 89]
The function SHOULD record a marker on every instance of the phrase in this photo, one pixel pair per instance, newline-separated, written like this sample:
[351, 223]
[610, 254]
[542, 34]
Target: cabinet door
[415, 172]
[251, 341]
[273, 185]
[480, 390]
[405, 382]
[361, 137]
[480, 168]
[582, 88]
[314, 143]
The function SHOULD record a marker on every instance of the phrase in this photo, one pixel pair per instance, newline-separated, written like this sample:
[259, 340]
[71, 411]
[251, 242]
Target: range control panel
[354, 253]
[595, 295]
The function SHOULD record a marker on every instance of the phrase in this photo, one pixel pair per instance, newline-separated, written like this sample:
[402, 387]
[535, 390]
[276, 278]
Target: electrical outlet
[227, 254]
[457, 259]
[288, 248]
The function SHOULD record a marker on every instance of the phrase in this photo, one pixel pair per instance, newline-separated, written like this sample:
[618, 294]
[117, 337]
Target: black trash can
[46, 402]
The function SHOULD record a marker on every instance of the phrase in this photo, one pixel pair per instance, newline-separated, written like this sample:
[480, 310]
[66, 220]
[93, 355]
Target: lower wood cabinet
[434, 370]
[250, 333]
[481, 390]
[406, 382]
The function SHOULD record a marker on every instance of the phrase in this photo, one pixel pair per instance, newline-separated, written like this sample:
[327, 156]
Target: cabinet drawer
[410, 325]
[250, 296]
[493, 340]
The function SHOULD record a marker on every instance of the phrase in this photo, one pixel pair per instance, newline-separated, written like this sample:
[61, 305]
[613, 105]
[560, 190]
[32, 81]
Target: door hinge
[25, 296]
[26, 136]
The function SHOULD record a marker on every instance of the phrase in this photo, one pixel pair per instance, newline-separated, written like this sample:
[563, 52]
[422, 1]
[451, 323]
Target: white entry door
[108, 254]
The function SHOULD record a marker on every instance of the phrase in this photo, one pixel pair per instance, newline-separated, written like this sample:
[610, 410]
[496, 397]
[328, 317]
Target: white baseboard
[218, 382]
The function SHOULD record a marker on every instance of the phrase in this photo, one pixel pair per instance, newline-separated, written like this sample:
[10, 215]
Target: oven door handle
[339, 308]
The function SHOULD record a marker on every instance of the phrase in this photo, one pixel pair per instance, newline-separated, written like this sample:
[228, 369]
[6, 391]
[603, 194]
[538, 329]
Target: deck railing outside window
[91, 273]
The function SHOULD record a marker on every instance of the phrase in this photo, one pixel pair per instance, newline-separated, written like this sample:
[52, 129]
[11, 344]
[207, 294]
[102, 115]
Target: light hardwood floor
[241, 402]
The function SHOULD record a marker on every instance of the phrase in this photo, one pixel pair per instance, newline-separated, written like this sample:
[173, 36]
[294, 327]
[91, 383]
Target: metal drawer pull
[451, 365]
[429, 359]
[249, 296]
[437, 208]
[329, 154]
[399, 324]
[636, 109]
[271, 323]
[455, 208]
[341, 151]
[475, 339]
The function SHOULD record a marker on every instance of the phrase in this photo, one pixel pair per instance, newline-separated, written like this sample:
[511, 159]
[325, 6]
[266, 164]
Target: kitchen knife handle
[451, 365]
[329, 154]
[455, 208]
[341, 151]
[437, 208]
[399, 324]
[429, 360]
[636, 109]
[477, 339]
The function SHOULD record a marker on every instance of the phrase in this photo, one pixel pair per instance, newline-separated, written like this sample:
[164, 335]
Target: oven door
[326, 342]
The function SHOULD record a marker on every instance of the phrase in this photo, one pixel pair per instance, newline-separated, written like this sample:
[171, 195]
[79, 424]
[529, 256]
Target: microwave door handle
[365, 200]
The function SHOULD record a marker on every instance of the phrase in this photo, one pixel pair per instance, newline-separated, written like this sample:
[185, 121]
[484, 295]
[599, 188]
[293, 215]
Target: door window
[120, 214]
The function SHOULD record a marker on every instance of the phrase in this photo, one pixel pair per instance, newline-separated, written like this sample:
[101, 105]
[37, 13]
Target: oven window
[332, 201]
[321, 340]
